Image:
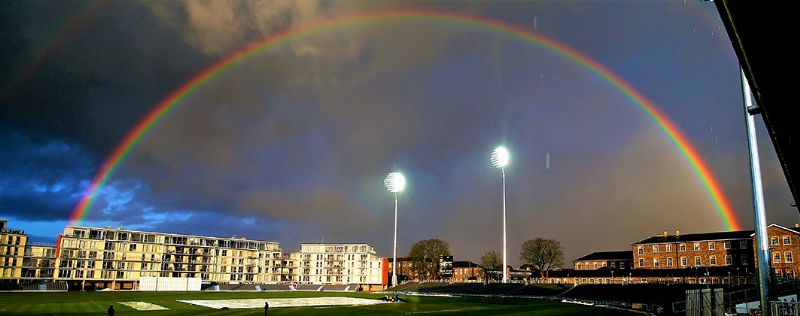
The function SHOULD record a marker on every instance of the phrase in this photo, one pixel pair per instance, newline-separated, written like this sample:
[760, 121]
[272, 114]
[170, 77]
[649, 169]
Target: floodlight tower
[500, 159]
[395, 182]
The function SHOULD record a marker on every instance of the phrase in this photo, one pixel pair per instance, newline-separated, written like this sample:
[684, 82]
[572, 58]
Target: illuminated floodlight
[395, 182]
[500, 157]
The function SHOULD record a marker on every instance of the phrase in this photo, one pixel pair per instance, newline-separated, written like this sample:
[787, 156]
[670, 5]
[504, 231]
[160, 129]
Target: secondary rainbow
[67, 31]
[669, 128]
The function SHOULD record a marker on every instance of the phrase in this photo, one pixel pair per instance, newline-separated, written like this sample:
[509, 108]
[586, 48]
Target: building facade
[117, 258]
[39, 262]
[342, 263]
[717, 249]
[12, 251]
[784, 246]
[613, 260]
[405, 269]
[467, 271]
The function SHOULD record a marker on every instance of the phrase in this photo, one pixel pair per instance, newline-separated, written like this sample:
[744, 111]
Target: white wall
[150, 284]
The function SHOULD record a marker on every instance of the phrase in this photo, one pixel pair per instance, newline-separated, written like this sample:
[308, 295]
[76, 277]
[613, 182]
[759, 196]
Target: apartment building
[784, 247]
[340, 263]
[39, 262]
[12, 250]
[718, 249]
[605, 260]
[117, 257]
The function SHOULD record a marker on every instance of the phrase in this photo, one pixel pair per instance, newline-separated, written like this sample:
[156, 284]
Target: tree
[424, 255]
[544, 254]
[490, 260]
[491, 264]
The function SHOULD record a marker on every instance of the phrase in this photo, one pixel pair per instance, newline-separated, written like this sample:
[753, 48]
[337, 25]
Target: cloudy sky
[292, 144]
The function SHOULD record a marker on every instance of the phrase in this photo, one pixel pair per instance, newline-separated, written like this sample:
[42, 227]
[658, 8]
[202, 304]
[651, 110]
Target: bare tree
[544, 254]
[425, 257]
[490, 260]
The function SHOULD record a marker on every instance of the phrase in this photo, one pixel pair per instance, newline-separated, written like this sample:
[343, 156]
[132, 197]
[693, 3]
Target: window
[711, 245]
[787, 240]
[669, 247]
[640, 250]
[696, 246]
[579, 266]
[655, 248]
[773, 241]
[697, 261]
[669, 262]
[595, 266]
[655, 262]
[787, 257]
[743, 244]
[712, 260]
[727, 245]
[744, 260]
[683, 247]
[776, 257]
[641, 262]
[683, 261]
[728, 260]
[622, 265]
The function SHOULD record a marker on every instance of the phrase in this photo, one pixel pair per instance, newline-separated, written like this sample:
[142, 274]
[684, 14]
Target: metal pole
[762, 248]
[394, 251]
[505, 258]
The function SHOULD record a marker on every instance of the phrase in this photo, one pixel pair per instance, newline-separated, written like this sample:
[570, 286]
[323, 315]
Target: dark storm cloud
[41, 178]
[113, 63]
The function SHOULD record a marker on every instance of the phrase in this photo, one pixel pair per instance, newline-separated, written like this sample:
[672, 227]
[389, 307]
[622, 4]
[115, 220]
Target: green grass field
[96, 303]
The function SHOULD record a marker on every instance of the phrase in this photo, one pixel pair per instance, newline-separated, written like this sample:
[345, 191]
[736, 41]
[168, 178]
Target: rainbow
[669, 129]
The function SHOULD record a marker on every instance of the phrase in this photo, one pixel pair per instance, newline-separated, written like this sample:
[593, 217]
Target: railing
[13, 231]
[784, 308]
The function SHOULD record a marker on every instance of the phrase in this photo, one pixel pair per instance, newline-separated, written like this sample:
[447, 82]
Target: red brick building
[467, 271]
[718, 249]
[784, 247]
[612, 260]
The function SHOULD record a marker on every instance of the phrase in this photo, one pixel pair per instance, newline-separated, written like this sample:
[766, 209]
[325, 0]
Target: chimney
[796, 225]
[677, 233]
[665, 234]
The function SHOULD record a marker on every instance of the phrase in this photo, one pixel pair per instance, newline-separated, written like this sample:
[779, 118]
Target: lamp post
[395, 182]
[500, 159]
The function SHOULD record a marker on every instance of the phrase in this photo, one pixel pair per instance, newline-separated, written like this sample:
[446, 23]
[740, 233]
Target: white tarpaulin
[284, 302]
[150, 284]
[144, 306]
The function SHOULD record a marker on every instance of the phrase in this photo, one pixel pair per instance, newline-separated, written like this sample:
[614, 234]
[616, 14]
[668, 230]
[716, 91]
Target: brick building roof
[608, 255]
[744, 234]
[791, 229]
[465, 264]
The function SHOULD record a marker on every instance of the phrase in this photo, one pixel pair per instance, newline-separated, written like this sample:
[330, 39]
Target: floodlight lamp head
[395, 182]
[500, 157]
